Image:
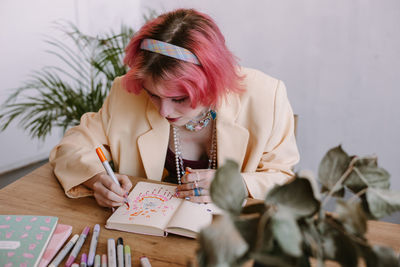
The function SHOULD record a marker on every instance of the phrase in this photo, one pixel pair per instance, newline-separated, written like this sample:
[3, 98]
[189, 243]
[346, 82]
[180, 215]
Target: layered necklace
[196, 126]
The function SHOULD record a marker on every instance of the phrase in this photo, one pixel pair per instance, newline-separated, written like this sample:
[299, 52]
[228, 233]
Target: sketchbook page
[151, 207]
[190, 219]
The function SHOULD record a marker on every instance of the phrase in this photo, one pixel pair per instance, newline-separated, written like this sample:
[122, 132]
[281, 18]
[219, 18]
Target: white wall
[23, 24]
[340, 61]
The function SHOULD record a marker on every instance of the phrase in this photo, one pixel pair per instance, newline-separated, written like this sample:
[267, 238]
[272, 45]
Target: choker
[197, 125]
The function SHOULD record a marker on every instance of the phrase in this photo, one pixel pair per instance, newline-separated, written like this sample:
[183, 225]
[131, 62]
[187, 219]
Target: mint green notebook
[24, 238]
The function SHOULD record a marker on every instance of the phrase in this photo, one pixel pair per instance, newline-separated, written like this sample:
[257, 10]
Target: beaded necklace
[197, 125]
[180, 168]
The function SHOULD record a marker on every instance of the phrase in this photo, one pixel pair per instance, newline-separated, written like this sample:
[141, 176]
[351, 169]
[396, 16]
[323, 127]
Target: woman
[183, 108]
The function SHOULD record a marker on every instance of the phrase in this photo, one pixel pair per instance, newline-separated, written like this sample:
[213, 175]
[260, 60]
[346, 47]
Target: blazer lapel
[232, 138]
[154, 143]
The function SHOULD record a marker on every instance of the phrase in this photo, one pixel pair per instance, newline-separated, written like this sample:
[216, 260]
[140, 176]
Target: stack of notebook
[27, 240]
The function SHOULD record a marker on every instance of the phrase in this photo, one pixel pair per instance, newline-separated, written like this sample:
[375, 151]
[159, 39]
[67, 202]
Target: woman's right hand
[106, 192]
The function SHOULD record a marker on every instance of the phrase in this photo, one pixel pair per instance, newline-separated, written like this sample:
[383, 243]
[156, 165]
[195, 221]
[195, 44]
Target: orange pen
[109, 170]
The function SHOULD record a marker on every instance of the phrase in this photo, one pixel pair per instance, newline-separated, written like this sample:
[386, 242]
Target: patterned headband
[169, 50]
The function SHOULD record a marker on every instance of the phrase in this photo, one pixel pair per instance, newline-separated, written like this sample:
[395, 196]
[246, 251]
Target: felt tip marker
[97, 261]
[120, 252]
[104, 260]
[93, 245]
[111, 255]
[83, 260]
[77, 247]
[144, 262]
[109, 171]
[127, 256]
[61, 255]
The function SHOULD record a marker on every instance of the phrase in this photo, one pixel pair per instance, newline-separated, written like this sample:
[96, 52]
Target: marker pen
[127, 256]
[61, 255]
[83, 260]
[144, 262]
[104, 260]
[109, 170]
[93, 245]
[97, 261]
[112, 261]
[120, 252]
[77, 247]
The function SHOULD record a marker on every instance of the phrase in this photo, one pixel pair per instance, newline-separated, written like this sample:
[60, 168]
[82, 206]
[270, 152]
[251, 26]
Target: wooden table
[39, 193]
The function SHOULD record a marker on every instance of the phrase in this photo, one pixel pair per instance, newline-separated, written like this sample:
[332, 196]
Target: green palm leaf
[57, 96]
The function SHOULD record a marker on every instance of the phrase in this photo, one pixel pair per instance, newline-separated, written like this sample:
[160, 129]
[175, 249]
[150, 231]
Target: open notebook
[154, 211]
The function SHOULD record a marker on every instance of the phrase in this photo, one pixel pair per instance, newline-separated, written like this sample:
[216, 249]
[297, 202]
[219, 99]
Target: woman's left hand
[196, 185]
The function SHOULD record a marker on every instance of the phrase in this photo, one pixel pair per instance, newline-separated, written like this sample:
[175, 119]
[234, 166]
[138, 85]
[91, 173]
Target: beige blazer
[255, 129]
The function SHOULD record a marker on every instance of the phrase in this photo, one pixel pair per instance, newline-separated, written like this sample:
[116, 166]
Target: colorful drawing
[150, 203]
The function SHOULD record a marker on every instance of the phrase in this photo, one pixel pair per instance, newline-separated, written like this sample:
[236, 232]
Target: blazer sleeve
[74, 159]
[280, 152]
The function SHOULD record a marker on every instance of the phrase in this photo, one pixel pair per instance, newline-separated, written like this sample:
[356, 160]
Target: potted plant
[58, 96]
[291, 225]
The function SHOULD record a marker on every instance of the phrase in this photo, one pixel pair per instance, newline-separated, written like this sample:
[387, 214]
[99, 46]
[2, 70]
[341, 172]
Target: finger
[197, 170]
[190, 193]
[104, 191]
[126, 183]
[192, 185]
[197, 176]
[200, 199]
[112, 186]
[106, 202]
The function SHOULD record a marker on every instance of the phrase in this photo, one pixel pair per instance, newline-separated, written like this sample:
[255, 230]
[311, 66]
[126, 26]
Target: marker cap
[100, 154]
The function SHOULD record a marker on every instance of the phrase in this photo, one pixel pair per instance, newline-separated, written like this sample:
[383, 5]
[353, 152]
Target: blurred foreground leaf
[332, 167]
[382, 202]
[221, 243]
[228, 190]
[296, 196]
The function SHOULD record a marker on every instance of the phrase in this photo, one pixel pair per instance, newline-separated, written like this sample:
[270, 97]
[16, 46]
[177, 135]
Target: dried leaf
[254, 208]
[338, 193]
[372, 176]
[248, 230]
[371, 161]
[352, 217]
[385, 257]
[228, 190]
[311, 239]
[382, 202]
[333, 165]
[220, 243]
[309, 175]
[264, 260]
[287, 232]
[296, 196]
[379, 256]
[338, 246]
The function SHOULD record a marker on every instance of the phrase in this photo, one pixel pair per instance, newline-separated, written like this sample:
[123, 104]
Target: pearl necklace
[180, 168]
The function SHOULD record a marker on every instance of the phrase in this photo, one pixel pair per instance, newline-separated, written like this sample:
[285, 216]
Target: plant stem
[265, 217]
[341, 180]
[359, 193]
[361, 176]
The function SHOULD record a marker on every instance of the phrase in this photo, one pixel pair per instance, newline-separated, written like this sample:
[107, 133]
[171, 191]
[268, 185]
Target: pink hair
[197, 32]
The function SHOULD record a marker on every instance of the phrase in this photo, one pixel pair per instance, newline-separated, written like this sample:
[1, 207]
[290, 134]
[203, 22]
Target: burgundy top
[170, 165]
